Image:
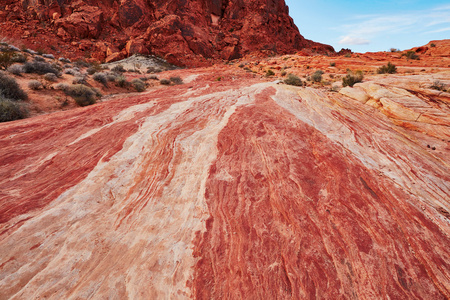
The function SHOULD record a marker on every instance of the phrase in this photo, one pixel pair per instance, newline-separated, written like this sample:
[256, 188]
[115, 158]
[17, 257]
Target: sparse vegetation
[49, 56]
[332, 64]
[387, 69]
[352, 78]
[50, 77]
[18, 58]
[82, 94]
[293, 80]
[432, 45]
[39, 67]
[394, 50]
[16, 69]
[270, 73]
[176, 80]
[165, 81]
[10, 89]
[34, 85]
[79, 80]
[118, 69]
[138, 85]
[5, 60]
[121, 81]
[438, 85]
[317, 76]
[411, 55]
[100, 77]
[11, 110]
[62, 86]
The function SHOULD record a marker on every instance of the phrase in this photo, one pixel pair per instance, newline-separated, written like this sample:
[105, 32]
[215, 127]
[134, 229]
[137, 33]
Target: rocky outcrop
[181, 31]
[231, 189]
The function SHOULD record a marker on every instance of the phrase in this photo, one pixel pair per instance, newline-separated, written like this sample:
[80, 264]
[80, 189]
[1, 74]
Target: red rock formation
[231, 189]
[181, 31]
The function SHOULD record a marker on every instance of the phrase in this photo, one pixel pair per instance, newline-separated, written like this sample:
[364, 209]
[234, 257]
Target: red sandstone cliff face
[179, 30]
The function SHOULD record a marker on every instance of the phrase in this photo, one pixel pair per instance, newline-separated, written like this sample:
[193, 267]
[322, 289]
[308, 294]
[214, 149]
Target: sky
[370, 26]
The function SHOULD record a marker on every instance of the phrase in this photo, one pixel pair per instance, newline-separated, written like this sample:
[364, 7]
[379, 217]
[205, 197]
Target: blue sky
[376, 25]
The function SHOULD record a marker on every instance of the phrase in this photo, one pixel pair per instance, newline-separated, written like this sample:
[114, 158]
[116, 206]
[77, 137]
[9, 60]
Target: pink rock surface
[231, 189]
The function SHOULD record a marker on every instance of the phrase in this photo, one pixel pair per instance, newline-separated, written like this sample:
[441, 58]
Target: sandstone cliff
[181, 31]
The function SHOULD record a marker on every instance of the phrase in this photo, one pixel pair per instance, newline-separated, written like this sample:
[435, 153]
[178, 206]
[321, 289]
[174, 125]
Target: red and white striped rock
[231, 189]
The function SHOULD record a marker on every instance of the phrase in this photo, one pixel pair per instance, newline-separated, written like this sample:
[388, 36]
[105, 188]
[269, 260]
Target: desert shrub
[432, 45]
[18, 58]
[14, 48]
[153, 77]
[34, 85]
[176, 80]
[100, 77]
[11, 110]
[62, 86]
[79, 80]
[283, 73]
[96, 68]
[317, 76]
[16, 69]
[293, 80]
[387, 69]
[82, 94]
[49, 56]
[393, 50]
[121, 81]
[438, 85]
[154, 70]
[352, 78]
[411, 55]
[80, 63]
[138, 85]
[110, 76]
[348, 55]
[165, 81]
[50, 77]
[38, 58]
[5, 60]
[64, 60]
[332, 64]
[73, 71]
[32, 52]
[270, 73]
[39, 67]
[10, 89]
[118, 69]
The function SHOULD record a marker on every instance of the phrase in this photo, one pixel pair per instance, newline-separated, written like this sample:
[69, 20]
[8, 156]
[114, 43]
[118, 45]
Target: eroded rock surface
[231, 189]
[183, 32]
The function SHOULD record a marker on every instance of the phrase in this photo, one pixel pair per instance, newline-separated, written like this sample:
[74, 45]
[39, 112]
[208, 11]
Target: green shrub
[387, 69]
[293, 80]
[11, 110]
[270, 73]
[411, 55]
[82, 94]
[138, 85]
[283, 73]
[34, 85]
[5, 60]
[433, 45]
[39, 67]
[317, 76]
[10, 89]
[352, 78]
[176, 80]
[165, 81]
[394, 50]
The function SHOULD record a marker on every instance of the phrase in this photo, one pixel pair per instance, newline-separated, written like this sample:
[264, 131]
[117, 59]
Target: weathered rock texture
[238, 189]
[181, 31]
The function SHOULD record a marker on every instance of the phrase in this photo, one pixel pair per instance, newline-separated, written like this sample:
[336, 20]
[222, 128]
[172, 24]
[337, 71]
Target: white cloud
[374, 26]
[348, 40]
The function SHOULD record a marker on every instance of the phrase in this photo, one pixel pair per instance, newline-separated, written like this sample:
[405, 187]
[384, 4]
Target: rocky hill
[235, 185]
[183, 32]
